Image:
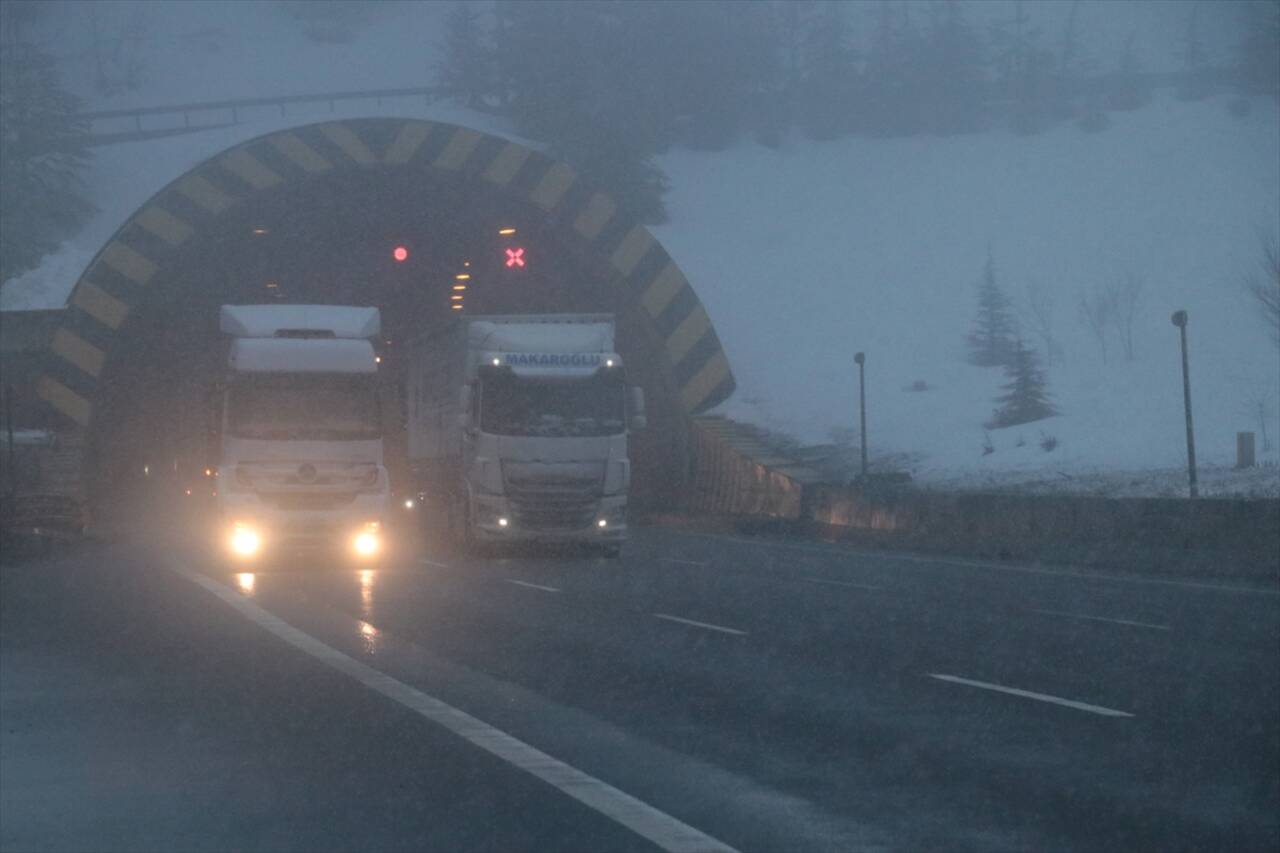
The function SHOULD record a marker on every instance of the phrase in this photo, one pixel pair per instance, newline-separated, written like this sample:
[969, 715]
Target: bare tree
[1264, 286]
[1096, 310]
[1036, 312]
[1125, 297]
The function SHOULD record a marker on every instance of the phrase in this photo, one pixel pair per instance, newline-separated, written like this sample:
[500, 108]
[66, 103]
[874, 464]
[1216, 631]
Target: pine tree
[43, 152]
[991, 343]
[827, 76]
[575, 85]
[954, 65]
[1025, 71]
[1026, 398]
[467, 72]
[1258, 55]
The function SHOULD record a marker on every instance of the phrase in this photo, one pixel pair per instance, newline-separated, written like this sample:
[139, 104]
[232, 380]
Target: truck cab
[300, 455]
[525, 419]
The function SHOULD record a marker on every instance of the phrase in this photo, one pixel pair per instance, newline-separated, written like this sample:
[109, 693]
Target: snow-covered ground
[806, 254]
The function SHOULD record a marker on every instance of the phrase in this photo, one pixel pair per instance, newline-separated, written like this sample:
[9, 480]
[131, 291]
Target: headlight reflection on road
[367, 577]
[246, 580]
[370, 636]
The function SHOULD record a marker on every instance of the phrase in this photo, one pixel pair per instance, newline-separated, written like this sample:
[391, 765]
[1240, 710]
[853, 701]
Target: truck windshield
[311, 406]
[514, 405]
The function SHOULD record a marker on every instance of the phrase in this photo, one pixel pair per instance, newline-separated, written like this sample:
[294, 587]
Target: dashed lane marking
[662, 829]
[532, 585]
[842, 583]
[697, 624]
[686, 562]
[1128, 622]
[427, 562]
[1029, 694]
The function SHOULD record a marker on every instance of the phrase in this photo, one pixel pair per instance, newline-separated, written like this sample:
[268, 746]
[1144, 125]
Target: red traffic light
[400, 253]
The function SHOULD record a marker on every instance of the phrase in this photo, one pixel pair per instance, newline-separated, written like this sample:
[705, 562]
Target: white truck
[517, 429]
[299, 431]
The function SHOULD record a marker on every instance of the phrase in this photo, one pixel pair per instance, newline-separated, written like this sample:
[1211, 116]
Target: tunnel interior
[332, 239]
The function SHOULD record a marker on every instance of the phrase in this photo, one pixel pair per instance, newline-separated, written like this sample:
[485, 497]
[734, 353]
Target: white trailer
[517, 428]
[300, 431]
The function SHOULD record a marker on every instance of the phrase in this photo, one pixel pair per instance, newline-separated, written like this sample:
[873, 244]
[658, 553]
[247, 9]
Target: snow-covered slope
[806, 254]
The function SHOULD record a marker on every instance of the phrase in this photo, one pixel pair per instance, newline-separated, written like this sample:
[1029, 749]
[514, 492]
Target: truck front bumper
[354, 529]
[497, 520]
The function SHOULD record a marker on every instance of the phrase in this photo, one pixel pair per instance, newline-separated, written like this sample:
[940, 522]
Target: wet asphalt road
[772, 695]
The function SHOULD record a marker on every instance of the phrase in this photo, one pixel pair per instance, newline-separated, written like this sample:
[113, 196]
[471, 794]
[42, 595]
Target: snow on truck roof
[300, 355]
[269, 321]
[548, 334]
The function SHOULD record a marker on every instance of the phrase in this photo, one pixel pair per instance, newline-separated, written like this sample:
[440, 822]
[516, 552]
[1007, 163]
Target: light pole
[861, 359]
[1179, 319]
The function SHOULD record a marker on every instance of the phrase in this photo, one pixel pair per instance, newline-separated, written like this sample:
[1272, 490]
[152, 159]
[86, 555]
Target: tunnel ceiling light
[272, 285]
[400, 253]
[463, 276]
[457, 307]
[506, 232]
[260, 231]
[459, 287]
[466, 263]
[457, 297]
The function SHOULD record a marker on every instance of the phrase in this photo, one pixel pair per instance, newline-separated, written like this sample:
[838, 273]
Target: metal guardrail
[1215, 79]
[228, 112]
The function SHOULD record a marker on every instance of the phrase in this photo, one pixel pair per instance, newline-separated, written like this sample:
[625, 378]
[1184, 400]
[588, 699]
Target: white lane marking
[427, 562]
[697, 624]
[981, 564]
[842, 583]
[1104, 619]
[686, 562]
[532, 585]
[641, 818]
[1029, 694]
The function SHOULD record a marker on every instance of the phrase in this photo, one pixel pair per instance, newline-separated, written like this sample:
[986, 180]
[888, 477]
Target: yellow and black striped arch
[130, 267]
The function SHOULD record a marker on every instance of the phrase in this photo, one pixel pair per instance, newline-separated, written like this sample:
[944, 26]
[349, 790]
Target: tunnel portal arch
[688, 371]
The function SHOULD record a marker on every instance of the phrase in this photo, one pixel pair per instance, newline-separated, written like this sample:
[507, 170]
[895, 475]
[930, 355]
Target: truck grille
[310, 500]
[553, 505]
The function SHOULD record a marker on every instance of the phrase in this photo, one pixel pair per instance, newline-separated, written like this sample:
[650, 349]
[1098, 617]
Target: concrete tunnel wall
[676, 352]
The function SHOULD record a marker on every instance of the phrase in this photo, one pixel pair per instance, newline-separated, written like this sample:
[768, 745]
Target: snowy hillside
[806, 254]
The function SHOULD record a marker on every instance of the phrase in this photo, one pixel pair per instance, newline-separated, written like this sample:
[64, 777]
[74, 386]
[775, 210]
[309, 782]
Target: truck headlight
[367, 542]
[245, 541]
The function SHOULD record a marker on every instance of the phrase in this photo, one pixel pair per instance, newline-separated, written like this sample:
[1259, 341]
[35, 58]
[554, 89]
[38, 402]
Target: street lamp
[1179, 319]
[860, 359]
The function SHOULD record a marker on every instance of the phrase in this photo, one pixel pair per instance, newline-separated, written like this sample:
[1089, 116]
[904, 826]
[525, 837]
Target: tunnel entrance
[424, 221]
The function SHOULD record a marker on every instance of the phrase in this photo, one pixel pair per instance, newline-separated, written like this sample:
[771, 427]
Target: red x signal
[515, 257]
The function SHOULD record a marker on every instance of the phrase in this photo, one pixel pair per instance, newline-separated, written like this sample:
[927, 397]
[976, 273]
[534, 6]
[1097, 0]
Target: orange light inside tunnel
[459, 287]
[457, 297]
[456, 307]
[464, 276]
[506, 232]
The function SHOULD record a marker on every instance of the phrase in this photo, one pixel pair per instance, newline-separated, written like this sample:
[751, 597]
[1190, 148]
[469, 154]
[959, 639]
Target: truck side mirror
[637, 419]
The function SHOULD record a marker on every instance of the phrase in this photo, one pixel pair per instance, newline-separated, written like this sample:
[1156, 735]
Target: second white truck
[517, 428]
